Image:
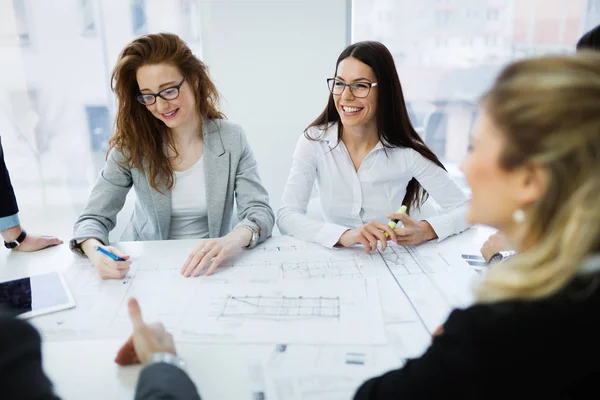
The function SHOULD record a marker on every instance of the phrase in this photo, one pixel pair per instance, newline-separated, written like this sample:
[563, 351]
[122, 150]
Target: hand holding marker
[393, 222]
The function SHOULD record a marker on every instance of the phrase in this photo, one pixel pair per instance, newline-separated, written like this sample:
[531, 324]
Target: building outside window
[99, 127]
[447, 65]
[88, 20]
[138, 16]
[21, 21]
[190, 20]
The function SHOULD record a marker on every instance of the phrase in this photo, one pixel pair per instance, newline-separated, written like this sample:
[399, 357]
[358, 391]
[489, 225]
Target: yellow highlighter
[393, 222]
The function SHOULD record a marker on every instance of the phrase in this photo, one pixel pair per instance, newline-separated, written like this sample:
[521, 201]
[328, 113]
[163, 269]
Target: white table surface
[85, 369]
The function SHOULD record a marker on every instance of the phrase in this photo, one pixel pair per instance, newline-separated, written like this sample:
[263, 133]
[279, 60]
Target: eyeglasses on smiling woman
[171, 93]
[358, 89]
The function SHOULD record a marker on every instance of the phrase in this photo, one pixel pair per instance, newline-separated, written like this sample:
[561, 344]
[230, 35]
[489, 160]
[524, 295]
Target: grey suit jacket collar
[216, 175]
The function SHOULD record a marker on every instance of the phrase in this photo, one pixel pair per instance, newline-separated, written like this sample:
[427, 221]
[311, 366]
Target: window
[492, 15]
[87, 17]
[98, 127]
[491, 41]
[56, 117]
[25, 114]
[138, 16]
[443, 18]
[21, 21]
[435, 131]
[448, 65]
[189, 20]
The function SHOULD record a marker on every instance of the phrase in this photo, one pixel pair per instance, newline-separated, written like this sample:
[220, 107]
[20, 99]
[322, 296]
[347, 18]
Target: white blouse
[350, 199]
[189, 213]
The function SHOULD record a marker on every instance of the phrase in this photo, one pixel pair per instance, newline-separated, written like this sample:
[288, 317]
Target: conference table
[387, 305]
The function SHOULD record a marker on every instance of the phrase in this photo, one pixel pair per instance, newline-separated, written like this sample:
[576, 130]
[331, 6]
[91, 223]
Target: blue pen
[108, 253]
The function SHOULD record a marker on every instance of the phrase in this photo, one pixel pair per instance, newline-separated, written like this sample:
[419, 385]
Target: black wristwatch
[501, 256]
[17, 241]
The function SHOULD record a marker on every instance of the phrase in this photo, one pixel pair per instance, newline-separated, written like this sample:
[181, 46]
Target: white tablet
[36, 295]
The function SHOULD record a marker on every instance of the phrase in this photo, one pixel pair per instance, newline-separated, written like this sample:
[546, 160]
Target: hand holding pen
[109, 254]
[112, 264]
[109, 261]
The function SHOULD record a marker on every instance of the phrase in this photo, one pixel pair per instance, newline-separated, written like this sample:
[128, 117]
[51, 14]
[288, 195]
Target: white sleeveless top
[189, 216]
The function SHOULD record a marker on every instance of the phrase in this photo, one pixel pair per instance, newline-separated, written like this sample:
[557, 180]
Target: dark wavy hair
[139, 135]
[393, 124]
[590, 40]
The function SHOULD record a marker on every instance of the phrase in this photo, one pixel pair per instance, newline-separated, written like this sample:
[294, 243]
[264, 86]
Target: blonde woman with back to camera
[534, 171]
[186, 163]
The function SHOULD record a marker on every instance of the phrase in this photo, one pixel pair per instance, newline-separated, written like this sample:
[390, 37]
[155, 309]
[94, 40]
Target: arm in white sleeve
[291, 217]
[451, 198]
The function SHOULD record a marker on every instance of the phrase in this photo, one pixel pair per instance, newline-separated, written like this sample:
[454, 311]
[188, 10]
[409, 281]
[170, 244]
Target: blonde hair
[548, 109]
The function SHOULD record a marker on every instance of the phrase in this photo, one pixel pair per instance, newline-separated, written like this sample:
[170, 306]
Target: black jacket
[8, 202]
[22, 377]
[543, 349]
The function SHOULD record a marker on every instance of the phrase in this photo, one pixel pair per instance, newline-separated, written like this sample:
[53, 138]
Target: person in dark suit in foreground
[22, 377]
[534, 174]
[21, 374]
[14, 235]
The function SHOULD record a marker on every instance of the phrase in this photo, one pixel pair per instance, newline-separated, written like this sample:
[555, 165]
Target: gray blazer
[231, 173]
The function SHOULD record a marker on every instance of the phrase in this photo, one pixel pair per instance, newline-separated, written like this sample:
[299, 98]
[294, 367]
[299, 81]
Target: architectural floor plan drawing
[404, 260]
[287, 311]
[286, 292]
[323, 269]
[212, 311]
[322, 295]
[280, 307]
[284, 257]
[432, 284]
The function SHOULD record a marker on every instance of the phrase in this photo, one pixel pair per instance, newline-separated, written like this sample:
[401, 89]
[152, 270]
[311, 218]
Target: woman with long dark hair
[367, 160]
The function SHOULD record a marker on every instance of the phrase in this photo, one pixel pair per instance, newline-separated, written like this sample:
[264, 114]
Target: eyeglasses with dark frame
[171, 93]
[358, 89]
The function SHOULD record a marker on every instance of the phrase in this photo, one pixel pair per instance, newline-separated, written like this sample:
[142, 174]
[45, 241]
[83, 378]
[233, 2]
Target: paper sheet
[432, 284]
[283, 311]
[284, 257]
[285, 290]
[323, 373]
